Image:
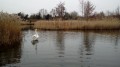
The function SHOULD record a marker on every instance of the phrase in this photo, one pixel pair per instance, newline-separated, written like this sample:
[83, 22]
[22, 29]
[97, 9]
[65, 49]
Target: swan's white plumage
[35, 36]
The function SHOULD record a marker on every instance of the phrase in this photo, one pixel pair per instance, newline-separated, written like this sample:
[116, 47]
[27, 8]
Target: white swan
[35, 36]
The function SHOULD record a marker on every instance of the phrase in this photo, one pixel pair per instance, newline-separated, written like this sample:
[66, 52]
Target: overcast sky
[33, 6]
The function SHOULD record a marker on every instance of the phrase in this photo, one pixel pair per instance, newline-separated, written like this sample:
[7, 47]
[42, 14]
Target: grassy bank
[9, 29]
[110, 23]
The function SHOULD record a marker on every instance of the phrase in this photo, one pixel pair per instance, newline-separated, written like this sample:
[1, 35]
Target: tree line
[87, 9]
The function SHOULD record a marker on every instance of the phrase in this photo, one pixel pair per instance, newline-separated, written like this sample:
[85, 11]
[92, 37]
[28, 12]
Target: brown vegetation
[111, 23]
[9, 29]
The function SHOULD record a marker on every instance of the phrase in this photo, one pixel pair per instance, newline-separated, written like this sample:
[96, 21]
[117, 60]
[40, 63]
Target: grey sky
[33, 6]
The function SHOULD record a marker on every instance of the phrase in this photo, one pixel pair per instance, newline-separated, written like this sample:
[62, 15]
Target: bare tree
[22, 15]
[81, 2]
[108, 13]
[53, 12]
[43, 12]
[67, 16]
[99, 15]
[60, 9]
[74, 15]
[118, 11]
[88, 9]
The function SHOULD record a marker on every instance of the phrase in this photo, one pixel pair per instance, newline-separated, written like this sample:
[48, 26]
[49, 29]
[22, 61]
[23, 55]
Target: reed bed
[111, 23]
[9, 29]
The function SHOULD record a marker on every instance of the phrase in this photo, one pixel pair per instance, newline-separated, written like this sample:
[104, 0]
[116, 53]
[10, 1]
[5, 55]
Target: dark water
[65, 49]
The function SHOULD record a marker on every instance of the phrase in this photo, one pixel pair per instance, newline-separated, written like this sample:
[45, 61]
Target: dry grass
[9, 29]
[110, 23]
[26, 23]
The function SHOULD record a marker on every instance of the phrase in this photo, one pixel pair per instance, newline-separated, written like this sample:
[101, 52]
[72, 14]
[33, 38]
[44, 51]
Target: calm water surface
[65, 49]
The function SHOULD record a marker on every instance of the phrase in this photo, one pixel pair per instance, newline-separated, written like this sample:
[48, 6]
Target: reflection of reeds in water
[9, 29]
[10, 55]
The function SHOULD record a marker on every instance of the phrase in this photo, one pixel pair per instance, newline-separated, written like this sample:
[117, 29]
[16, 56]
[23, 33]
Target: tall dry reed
[9, 29]
[108, 23]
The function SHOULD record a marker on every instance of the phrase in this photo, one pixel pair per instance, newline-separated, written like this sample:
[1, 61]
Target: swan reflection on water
[34, 42]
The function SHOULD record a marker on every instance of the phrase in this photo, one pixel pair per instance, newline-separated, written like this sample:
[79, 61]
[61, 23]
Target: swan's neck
[36, 32]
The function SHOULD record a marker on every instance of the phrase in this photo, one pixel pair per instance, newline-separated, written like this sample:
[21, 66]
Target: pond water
[65, 49]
